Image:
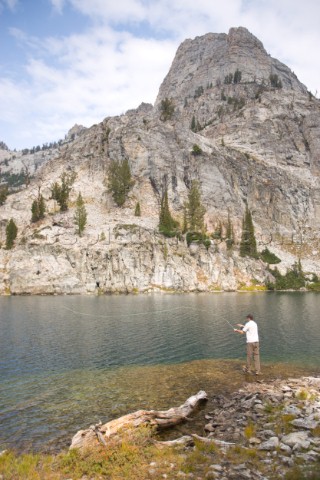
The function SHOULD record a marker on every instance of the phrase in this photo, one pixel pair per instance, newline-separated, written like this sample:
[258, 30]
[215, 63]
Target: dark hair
[250, 316]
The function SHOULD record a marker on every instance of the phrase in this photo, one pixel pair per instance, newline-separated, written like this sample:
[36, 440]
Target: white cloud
[122, 60]
[58, 5]
[110, 10]
[84, 78]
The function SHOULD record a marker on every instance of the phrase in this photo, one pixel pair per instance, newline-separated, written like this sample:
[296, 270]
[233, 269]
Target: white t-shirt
[251, 330]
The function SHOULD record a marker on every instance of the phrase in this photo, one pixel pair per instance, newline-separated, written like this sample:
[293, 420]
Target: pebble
[251, 406]
[270, 444]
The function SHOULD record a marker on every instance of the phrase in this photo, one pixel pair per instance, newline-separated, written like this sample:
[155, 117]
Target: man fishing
[251, 331]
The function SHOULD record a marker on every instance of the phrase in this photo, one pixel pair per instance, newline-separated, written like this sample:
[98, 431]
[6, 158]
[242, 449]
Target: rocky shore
[266, 431]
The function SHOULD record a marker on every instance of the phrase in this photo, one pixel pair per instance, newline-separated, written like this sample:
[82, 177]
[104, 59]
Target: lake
[68, 362]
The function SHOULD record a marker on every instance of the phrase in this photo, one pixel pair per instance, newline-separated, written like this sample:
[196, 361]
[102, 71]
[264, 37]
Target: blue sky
[78, 61]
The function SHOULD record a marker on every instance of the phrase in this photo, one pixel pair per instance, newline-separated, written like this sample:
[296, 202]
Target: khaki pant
[253, 353]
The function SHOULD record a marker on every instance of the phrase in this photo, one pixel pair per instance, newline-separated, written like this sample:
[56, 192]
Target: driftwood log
[188, 440]
[99, 434]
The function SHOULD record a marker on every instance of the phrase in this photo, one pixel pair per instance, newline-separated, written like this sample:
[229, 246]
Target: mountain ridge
[258, 131]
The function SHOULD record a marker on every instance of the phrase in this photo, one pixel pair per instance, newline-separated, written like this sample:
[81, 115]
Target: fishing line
[150, 312]
[122, 314]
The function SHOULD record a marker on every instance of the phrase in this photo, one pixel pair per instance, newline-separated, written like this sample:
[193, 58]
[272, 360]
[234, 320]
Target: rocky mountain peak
[241, 37]
[213, 58]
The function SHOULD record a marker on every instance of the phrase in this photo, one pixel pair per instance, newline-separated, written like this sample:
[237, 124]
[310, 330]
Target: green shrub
[198, 237]
[196, 150]
[269, 257]
[314, 287]
[293, 280]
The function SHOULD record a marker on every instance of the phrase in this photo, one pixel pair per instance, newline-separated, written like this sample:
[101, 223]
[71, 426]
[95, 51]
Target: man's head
[249, 316]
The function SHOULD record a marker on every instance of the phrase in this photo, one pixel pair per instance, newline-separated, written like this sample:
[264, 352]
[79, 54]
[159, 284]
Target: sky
[66, 62]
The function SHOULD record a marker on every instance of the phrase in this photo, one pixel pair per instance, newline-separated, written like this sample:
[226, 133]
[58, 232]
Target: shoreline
[160, 291]
[266, 429]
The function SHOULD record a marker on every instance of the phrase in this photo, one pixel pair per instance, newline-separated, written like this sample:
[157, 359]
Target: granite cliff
[258, 132]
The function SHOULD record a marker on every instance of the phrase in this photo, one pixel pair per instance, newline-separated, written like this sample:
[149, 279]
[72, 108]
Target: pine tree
[3, 194]
[193, 124]
[61, 192]
[229, 234]
[42, 207]
[35, 211]
[38, 209]
[11, 234]
[167, 224]
[195, 209]
[237, 76]
[185, 219]
[167, 109]
[248, 245]
[80, 215]
[137, 211]
[119, 181]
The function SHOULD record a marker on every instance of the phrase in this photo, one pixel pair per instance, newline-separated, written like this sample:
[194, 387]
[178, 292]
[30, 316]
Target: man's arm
[238, 331]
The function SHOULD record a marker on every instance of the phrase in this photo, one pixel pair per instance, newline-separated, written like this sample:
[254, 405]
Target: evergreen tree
[11, 234]
[275, 81]
[229, 234]
[42, 207]
[185, 219]
[3, 194]
[35, 211]
[167, 224]
[137, 211]
[237, 76]
[195, 209]
[119, 181]
[248, 246]
[80, 216]
[167, 109]
[193, 124]
[38, 208]
[61, 191]
[217, 234]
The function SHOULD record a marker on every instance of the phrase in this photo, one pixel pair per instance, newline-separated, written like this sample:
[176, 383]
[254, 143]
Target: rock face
[258, 130]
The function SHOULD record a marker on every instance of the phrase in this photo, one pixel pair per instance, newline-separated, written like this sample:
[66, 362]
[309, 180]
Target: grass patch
[250, 430]
[302, 394]
[285, 420]
[126, 458]
[27, 467]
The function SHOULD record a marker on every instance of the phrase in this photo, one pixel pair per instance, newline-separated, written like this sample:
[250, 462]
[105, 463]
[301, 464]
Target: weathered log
[160, 418]
[188, 440]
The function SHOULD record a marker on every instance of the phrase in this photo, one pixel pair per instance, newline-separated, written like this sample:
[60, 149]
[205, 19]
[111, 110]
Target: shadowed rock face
[258, 130]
